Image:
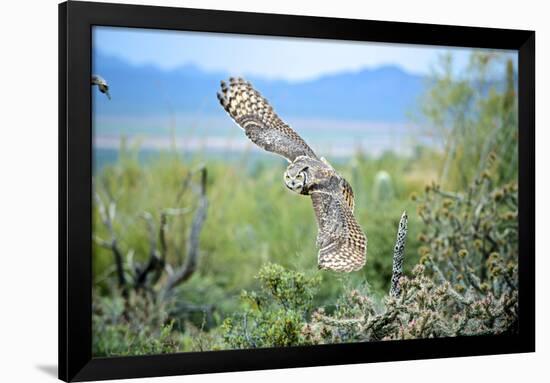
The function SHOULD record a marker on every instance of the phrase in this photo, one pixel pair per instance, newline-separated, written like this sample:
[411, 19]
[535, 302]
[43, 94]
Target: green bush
[131, 327]
[473, 113]
[275, 315]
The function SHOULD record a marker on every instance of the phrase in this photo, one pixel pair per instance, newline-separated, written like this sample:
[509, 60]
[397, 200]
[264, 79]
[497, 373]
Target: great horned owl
[341, 241]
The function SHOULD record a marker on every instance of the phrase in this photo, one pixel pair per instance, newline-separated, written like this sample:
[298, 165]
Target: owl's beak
[297, 188]
[292, 185]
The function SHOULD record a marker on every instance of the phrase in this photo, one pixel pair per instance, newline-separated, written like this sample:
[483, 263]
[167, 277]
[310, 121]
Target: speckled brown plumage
[347, 191]
[341, 241]
[261, 124]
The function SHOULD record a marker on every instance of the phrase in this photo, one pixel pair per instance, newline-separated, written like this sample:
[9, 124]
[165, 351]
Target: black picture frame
[75, 196]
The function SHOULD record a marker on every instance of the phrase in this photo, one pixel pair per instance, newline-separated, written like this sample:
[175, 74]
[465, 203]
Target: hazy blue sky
[271, 57]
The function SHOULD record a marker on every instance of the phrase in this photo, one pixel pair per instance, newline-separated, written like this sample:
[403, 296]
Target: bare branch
[246, 334]
[154, 263]
[162, 236]
[101, 242]
[447, 194]
[107, 216]
[398, 255]
[175, 211]
[186, 270]
[164, 215]
[184, 185]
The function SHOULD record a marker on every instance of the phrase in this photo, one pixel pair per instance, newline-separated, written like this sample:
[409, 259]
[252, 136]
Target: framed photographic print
[246, 191]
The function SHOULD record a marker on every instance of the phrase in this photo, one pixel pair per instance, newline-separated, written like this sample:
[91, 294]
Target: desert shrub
[473, 112]
[465, 283]
[140, 323]
[198, 339]
[423, 309]
[275, 315]
[471, 239]
[132, 326]
[125, 340]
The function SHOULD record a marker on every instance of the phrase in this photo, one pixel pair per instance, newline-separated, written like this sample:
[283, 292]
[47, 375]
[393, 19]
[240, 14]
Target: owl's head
[298, 175]
[295, 179]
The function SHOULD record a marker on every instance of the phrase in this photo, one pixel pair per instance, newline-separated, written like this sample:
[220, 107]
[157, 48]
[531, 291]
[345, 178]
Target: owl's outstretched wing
[347, 192]
[342, 243]
[345, 187]
[262, 125]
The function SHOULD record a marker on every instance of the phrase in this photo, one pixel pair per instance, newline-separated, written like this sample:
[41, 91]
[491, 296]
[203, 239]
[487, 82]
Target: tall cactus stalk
[398, 255]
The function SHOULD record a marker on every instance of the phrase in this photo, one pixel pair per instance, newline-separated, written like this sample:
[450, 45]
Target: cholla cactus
[471, 240]
[398, 255]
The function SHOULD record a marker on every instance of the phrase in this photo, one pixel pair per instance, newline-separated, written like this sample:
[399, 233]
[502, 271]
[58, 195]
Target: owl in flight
[341, 241]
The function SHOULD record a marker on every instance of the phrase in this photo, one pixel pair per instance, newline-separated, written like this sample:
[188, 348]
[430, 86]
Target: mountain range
[383, 94]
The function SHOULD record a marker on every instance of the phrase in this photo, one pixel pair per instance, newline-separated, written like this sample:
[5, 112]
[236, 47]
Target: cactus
[398, 255]
[382, 189]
